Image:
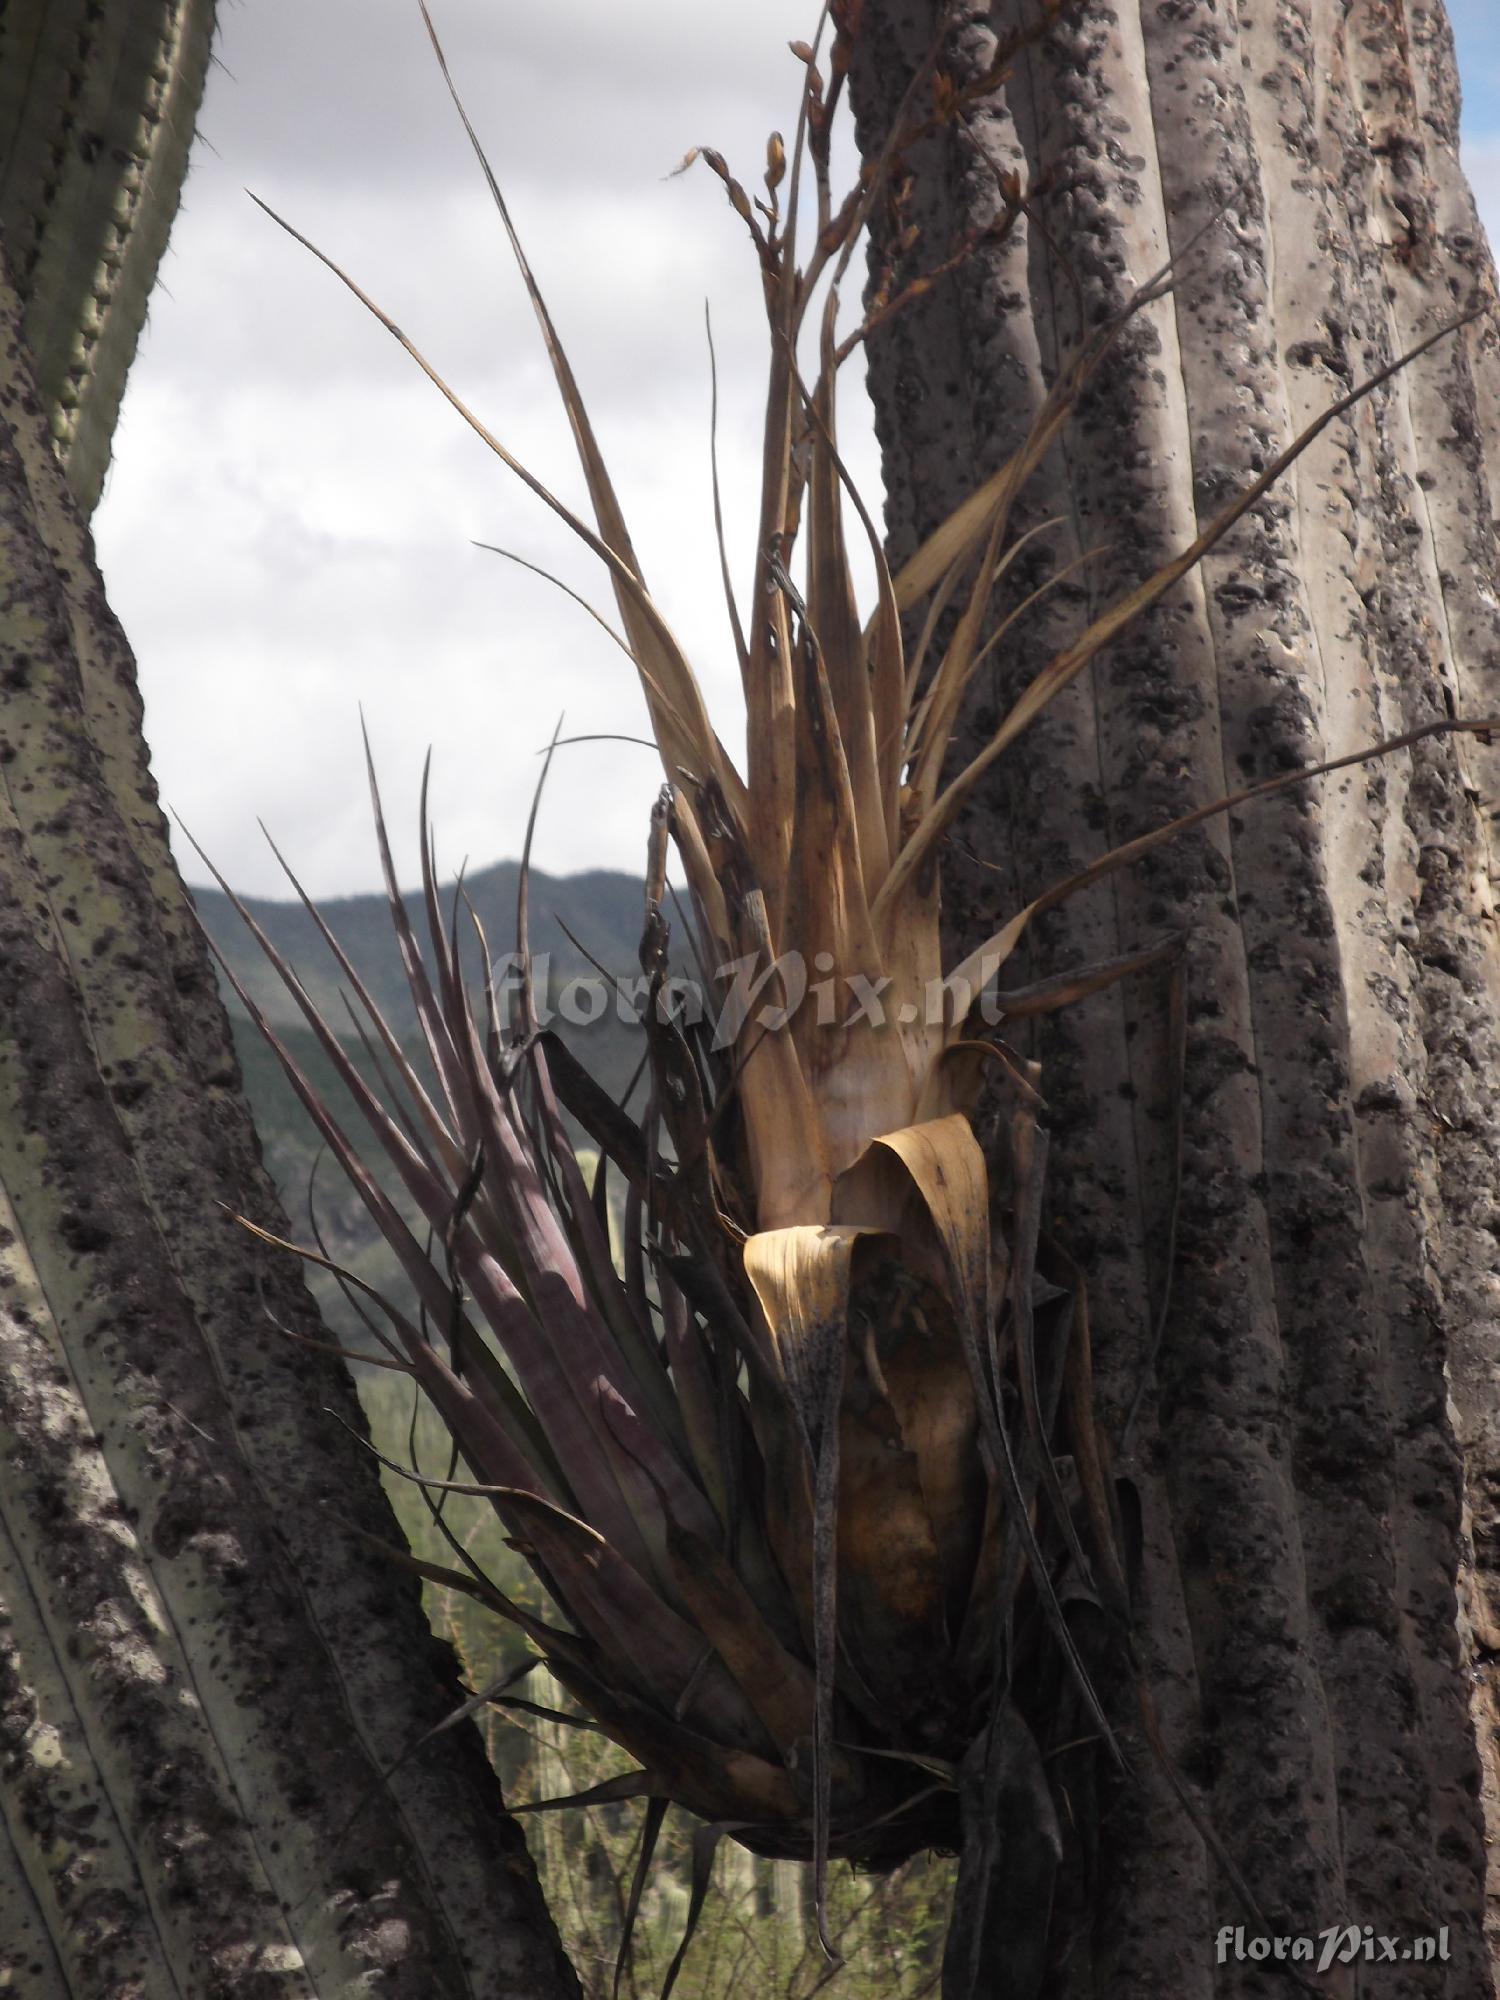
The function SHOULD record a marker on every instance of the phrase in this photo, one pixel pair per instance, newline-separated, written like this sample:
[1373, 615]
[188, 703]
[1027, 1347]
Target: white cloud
[287, 529]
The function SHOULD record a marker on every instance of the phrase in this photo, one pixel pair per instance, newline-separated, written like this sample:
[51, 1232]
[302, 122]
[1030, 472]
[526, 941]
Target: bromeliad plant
[813, 1479]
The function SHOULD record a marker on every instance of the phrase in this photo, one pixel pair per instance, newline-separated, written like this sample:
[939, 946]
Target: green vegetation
[756, 1939]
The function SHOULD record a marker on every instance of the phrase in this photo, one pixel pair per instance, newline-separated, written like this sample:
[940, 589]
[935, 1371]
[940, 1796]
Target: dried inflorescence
[814, 1478]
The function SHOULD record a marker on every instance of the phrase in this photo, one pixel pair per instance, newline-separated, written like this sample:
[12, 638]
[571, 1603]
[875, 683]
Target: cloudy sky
[289, 524]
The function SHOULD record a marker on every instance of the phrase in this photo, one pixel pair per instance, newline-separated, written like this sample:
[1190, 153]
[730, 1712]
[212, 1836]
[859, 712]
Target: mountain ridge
[601, 907]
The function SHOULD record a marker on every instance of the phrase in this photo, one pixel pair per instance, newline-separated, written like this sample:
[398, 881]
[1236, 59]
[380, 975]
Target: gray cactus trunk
[97, 108]
[204, 1662]
[1317, 1458]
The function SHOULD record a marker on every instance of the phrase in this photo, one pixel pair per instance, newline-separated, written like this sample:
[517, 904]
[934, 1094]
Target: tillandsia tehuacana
[813, 1477]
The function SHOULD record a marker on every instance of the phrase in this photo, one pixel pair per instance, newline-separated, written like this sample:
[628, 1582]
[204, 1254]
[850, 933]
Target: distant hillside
[603, 910]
